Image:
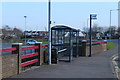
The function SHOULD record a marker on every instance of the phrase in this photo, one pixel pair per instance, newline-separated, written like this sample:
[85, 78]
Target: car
[30, 42]
[105, 40]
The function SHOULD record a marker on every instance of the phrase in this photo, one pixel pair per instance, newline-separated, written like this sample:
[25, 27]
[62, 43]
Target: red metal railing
[29, 55]
[46, 45]
[104, 42]
[7, 50]
[29, 48]
[29, 62]
[96, 43]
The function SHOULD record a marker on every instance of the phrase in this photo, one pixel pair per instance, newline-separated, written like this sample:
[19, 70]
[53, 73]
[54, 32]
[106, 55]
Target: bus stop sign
[93, 16]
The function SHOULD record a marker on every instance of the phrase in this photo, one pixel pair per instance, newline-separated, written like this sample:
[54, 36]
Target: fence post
[40, 53]
[79, 48]
[84, 47]
[54, 56]
[18, 51]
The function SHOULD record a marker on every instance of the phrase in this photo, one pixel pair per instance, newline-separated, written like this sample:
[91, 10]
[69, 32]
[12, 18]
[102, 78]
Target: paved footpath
[97, 66]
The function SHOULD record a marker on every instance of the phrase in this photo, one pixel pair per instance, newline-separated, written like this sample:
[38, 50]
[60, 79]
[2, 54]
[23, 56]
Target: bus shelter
[65, 40]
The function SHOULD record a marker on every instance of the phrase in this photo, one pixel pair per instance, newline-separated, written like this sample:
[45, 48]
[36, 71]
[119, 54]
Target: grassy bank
[110, 45]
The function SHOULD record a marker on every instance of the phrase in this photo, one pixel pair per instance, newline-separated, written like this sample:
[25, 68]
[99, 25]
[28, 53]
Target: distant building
[36, 34]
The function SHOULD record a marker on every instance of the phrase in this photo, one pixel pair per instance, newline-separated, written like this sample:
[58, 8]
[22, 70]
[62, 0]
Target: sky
[74, 14]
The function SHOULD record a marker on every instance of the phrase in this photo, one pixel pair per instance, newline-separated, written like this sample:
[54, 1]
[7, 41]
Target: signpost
[92, 17]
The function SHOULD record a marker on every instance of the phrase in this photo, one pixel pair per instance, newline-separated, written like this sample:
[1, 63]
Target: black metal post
[58, 39]
[70, 46]
[90, 33]
[76, 43]
[51, 39]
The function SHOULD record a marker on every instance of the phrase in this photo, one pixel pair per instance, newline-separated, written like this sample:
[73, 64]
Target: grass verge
[110, 45]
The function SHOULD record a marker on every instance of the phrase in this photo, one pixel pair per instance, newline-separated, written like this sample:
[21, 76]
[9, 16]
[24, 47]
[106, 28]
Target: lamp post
[87, 27]
[25, 28]
[110, 21]
[111, 34]
[49, 31]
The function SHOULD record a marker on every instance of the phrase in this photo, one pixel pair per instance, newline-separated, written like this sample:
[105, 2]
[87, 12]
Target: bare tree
[9, 33]
[17, 33]
[112, 30]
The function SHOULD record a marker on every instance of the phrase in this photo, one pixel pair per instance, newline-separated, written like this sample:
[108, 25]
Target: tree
[112, 30]
[11, 33]
[7, 32]
[97, 30]
[85, 31]
[17, 32]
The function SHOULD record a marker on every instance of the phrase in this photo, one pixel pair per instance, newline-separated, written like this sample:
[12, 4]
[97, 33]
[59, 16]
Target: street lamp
[25, 28]
[49, 31]
[111, 31]
[87, 27]
[110, 21]
[111, 35]
[54, 23]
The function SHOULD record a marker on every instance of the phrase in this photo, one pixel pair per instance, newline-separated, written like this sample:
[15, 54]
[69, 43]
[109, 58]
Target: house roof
[81, 34]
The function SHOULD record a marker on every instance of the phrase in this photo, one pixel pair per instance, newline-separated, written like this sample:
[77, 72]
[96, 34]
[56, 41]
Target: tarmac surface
[97, 66]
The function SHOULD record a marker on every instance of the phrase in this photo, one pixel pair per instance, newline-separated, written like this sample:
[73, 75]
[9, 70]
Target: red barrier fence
[29, 48]
[21, 58]
[96, 43]
[7, 50]
[23, 48]
[46, 45]
[29, 55]
[29, 62]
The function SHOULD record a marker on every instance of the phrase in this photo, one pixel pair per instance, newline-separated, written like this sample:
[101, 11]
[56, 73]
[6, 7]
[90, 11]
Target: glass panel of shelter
[64, 39]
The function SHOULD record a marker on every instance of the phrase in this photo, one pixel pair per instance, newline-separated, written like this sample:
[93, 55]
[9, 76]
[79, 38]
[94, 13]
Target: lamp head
[25, 16]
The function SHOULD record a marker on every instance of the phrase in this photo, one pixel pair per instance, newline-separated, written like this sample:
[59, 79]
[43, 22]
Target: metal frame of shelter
[64, 39]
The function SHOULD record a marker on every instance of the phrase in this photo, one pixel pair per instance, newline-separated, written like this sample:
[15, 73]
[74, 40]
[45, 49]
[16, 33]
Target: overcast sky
[74, 14]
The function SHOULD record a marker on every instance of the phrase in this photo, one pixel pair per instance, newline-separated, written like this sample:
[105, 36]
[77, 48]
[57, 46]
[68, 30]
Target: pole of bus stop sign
[90, 37]
[92, 17]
